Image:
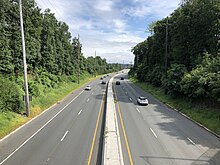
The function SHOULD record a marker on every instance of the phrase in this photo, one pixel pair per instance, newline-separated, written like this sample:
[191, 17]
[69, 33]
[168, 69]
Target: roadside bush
[204, 80]
[172, 81]
[33, 88]
[155, 76]
[10, 96]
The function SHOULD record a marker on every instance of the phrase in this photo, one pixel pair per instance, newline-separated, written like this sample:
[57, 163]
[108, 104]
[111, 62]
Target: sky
[109, 28]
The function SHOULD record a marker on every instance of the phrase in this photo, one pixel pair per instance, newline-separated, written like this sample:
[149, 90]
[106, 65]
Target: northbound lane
[68, 133]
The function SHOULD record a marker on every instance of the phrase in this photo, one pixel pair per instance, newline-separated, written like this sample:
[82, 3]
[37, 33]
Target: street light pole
[78, 60]
[24, 62]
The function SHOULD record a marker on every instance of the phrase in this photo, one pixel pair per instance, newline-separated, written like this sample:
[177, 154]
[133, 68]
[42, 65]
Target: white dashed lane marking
[138, 110]
[153, 132]
[64, 136]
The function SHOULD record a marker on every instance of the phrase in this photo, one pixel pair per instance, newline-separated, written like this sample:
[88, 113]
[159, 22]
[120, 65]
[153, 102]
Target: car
[103, 82]
[142, 100]
[117, 83]
[122, 78]
[101, 78]
[88, 87]
[104, 76]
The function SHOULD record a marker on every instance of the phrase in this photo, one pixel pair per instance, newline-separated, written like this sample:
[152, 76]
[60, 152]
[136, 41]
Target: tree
[6, 57]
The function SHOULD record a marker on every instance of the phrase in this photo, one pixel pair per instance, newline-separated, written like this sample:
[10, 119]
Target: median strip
[112, 144]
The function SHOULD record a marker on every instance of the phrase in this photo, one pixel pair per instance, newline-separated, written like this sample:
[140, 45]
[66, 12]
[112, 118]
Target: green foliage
[204, 80]
[188, 32]
[10, 121]
[10, 96]
[172, 81]
[156, 75]
[53, 56]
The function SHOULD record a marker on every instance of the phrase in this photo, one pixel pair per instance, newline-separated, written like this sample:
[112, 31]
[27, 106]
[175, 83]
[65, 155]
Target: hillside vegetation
[180, 60]
[54, 59]
[183, 53]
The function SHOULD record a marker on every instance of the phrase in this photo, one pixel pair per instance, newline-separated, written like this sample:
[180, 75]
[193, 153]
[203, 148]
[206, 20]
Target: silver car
[142, 100]
[88, 87]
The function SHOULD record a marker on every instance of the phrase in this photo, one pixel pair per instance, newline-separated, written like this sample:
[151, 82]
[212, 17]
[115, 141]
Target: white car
[88, 87]
[142, 100]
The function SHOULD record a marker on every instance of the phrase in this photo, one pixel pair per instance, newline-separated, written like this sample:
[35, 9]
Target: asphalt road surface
[157, 135]
[66, 134]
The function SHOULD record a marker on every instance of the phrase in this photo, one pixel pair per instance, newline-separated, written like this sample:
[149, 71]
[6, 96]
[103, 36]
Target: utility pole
[27, 103]
[78, 48]
[166, 44]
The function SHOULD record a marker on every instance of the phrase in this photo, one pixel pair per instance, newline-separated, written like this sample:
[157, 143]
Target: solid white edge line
[80, 112]
[39, 130]
[138, 110]
[64, 136]
[153, 132]
[191, 141]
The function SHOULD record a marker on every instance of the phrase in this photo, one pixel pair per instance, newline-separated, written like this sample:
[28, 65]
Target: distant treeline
[53, 56]
[183, 53]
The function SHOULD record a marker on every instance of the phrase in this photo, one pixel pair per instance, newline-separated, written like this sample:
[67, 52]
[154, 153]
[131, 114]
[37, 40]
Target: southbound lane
[158, 135]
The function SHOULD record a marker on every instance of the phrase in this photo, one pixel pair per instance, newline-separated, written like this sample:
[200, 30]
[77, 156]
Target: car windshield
[143, 98]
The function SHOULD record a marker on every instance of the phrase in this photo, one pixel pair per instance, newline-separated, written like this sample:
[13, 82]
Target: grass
[54, 95]
[9, 121]
[209, 117]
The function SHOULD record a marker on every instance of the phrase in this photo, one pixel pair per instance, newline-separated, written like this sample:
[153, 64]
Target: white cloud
[104, 27]
[104, 5]
[158, 8]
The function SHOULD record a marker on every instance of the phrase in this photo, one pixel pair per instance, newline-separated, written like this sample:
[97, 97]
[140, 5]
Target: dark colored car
[103, 82]
[117, 83]
[122, 78]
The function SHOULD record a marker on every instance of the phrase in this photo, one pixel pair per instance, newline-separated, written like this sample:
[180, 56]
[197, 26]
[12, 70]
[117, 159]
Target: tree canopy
[183, 51]
[53, 55]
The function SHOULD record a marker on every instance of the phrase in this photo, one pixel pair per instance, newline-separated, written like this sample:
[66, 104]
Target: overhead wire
[57, 12]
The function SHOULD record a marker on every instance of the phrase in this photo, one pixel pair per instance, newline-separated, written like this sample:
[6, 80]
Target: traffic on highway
[71, 132]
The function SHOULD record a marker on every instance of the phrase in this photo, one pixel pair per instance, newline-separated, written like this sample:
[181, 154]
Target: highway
[68, 133]
[156, 135]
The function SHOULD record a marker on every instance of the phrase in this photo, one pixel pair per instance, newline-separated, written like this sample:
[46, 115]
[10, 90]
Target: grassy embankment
[9, 121]
[208, 117]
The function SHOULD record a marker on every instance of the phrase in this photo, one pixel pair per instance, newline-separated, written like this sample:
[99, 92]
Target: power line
[56, 10]
[53, 7]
